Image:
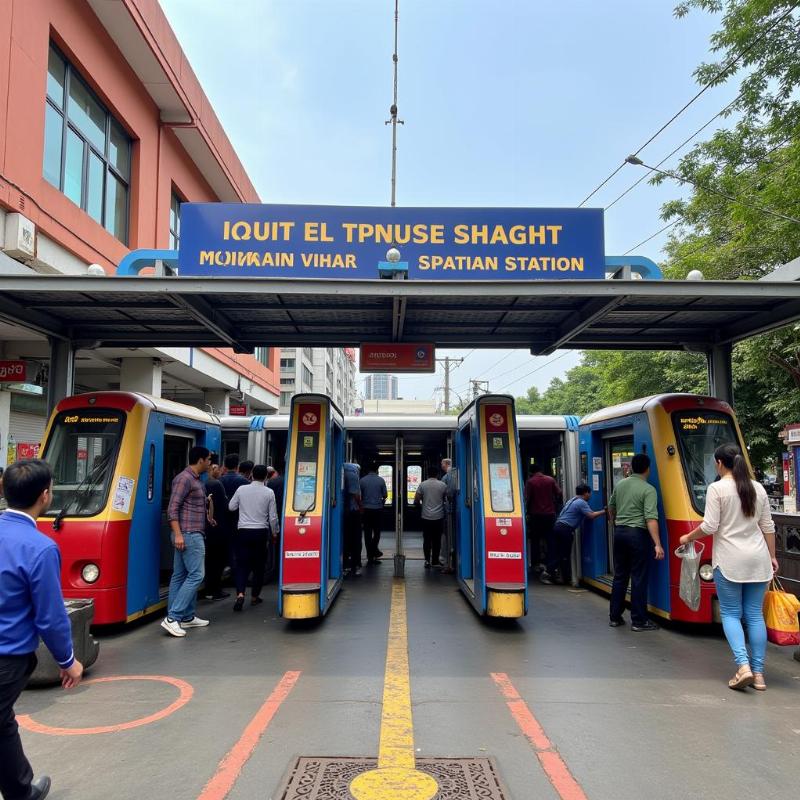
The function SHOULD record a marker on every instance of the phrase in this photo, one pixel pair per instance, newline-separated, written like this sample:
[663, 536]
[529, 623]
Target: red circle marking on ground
[186, 692]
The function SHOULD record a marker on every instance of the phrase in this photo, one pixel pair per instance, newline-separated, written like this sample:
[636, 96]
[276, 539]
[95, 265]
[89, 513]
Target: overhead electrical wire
[676, 150]
[712, 82]
[536, 369]
[756, 177]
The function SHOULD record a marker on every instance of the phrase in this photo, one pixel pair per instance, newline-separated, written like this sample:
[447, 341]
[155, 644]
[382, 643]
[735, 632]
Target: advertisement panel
[13, 372]
[393, 357]
[283, 241]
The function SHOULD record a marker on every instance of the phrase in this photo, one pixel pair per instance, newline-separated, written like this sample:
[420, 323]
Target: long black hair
[731, 457]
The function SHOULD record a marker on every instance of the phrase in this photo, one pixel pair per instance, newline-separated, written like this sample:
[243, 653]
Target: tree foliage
[756, 161]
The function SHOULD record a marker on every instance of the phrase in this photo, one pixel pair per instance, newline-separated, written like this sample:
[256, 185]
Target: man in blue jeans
[187, 516]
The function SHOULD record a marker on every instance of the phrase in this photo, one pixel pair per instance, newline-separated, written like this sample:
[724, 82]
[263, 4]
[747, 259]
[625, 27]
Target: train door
[487, 447]
[618, 453]
[464, 490]
[313, 518]
[177, 444]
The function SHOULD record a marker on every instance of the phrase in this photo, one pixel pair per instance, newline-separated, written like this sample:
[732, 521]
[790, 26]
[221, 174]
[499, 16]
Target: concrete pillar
[720, 372]
[218, 399]
[61, 378]
[5, 426]
[141, 375]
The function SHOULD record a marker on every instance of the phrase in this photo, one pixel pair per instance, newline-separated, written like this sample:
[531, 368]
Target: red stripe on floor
[230, 767]
[553, 765]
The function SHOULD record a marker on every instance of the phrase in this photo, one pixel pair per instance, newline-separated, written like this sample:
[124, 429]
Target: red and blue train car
[491, 555]
[680, 433]
[114, 455]
[312, 518]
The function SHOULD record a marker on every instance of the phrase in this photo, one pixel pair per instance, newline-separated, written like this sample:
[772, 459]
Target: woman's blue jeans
[743, 602]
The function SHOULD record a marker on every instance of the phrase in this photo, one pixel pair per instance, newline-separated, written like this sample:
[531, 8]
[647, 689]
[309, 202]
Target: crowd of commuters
[229, 521]
[229, 516]
[737, 516]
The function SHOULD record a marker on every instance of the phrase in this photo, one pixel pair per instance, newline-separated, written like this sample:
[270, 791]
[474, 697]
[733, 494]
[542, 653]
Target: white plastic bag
[690, 574]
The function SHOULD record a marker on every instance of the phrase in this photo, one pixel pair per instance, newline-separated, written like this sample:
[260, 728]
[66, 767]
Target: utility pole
[393, 121]
[479, 387]
[449, 363]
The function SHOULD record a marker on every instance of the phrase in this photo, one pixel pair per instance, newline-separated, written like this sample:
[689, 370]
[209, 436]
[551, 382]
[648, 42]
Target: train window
[699, 433]
[413, 480]
[305, 472]
[151, 472]
[499, 457]
[82, 450]
[386, 471]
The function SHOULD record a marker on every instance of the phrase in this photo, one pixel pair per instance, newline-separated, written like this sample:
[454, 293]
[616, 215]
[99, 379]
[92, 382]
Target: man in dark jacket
[217, 533]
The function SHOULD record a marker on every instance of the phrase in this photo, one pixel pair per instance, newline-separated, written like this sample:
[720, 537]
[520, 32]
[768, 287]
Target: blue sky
[505, 102]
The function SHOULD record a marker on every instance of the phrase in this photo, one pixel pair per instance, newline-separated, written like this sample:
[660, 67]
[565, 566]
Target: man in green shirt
[633, 508]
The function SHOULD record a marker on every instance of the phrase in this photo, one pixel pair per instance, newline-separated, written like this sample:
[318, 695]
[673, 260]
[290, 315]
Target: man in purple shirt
[187, 517]
[31, 606]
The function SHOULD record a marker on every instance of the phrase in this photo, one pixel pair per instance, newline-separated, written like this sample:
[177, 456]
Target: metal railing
[787, 550]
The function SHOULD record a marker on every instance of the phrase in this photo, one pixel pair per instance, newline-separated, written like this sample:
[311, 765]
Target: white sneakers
[176, 628]
[173, 626]
[195, 622]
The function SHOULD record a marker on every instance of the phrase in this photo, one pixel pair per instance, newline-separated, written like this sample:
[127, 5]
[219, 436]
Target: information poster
[500, 482]
[123, 494]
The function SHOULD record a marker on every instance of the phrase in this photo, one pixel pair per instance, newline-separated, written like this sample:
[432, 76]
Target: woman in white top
[738, 517]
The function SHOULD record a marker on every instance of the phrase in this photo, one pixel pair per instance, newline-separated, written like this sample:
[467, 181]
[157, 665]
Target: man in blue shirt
[352, 519]
[559, 545]
[31, 606]
[373, 498]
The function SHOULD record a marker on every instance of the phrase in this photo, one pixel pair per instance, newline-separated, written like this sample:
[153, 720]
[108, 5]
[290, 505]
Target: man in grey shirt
[431, 496]
[258, 519]
[373, 498]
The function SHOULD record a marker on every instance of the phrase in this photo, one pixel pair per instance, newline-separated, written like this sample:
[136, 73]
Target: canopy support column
[720, 372]
[61, 378]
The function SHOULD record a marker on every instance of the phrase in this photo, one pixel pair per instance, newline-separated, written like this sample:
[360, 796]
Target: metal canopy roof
[541, 315]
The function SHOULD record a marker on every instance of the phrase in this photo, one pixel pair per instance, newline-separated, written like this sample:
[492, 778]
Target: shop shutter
[27, 428]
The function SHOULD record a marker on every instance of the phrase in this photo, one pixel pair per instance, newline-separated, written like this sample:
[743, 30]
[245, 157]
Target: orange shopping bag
[780, 614]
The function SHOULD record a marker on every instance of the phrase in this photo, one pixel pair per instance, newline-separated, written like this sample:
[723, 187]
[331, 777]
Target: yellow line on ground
[396, 777]
[397, 730]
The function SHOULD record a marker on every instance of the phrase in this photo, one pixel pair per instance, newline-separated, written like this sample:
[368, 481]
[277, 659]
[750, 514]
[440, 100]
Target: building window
[308, 352]
[87, 154]
[262, 355]
[308, 378]
[286, 398]
[174, 222]
[287, 363]
[287, 381]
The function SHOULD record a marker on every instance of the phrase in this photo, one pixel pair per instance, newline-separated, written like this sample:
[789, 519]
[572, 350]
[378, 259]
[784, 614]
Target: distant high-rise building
[325, 370]
[380, 387]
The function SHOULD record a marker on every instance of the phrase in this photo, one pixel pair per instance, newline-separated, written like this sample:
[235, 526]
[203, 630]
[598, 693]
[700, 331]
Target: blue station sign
[288, 241]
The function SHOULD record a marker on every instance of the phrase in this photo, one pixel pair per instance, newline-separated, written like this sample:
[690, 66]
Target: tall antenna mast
[393, 121]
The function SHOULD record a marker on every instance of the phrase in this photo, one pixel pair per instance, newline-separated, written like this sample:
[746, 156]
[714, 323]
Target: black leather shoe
[645, 626]
[40, 788]
[616, 623]
[237, 606]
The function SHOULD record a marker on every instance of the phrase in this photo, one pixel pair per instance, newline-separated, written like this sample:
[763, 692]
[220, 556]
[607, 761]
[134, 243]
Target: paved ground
[632, 715]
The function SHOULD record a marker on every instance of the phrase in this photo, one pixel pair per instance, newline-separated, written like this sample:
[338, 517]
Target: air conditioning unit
[20, 237]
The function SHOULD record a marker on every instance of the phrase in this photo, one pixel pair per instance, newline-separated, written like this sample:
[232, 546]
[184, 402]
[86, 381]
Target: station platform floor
[562, 705]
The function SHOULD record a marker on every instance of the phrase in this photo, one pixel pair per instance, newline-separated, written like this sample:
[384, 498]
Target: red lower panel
[99, 542]
[302, 562]
[505, 551]
[678, 609]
